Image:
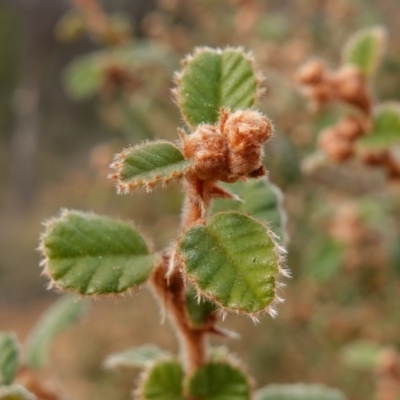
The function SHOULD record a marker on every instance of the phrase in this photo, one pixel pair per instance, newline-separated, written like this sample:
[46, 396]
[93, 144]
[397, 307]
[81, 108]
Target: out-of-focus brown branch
[99, 23]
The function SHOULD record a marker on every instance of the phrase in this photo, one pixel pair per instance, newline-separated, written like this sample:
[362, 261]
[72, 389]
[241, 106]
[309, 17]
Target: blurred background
[80, 80]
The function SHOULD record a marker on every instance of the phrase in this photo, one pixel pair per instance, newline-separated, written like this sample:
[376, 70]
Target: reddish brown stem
[172, 294]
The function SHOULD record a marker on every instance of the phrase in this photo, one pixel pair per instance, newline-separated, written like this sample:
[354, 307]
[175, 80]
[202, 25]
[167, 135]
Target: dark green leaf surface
[92, 255]
[299, 392]
[386, 128]
[9, 355]
[219, 381]
[135, 357]
[164, 381]
[213, 79]
[365, 50]
[65, 312]
[232, 260]
[198, 311]
[260, 198]
[150, 163]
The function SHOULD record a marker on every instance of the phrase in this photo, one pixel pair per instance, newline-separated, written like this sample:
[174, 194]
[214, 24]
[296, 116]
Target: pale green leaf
[65, 312]
[92, 255]
[259, 198]
[148, 164]
[9, 357]
[15, 392]
[135, 357]
[386, 128]
[365, 50]
[361, 354]
[164, 381]
[299, 391]
[233, 260]
[212, 79]
[219, 381]
[85, 75]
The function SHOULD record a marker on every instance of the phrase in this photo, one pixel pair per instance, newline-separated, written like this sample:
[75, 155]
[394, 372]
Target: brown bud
[246, 128]
[352, 88]
[208, 149]
[336, 147]
[350, 127]
[311, 73]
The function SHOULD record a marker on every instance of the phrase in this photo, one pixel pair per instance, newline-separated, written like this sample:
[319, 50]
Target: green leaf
[65, 312]
[95, 255]
[361, 354]
[386, 128]
[148, 164]
[9, 355]
[234, 261]
[259, 198]
[15, 392]
[212, 79]
[199, 309]
[219, 381]
[85, 75]
[365, 50]
[299, 391]
[164, 381]
[135, 357]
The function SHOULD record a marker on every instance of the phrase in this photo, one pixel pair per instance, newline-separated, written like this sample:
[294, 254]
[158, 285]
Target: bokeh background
[64, 114]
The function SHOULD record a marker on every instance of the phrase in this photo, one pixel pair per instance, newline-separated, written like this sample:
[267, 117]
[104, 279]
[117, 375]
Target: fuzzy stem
[172, 294]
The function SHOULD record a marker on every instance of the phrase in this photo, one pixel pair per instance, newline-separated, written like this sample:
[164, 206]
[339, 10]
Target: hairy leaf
[233, 260]
[212, 79]
[365, 50]
[219, 381]
[135, 357]
[148, 164]
[92, 255]
[386, 128]
[9, 355]
[65, 312]
[299, 391]
[199, 309]
[15, 392]
[259, 198]
[164, 381]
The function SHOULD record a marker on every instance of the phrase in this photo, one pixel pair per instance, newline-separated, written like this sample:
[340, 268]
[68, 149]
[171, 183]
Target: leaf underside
[95, 255]
[65, 312]
[151, 163]
[299, 392]
[164, 381]
[198, 310]
[260, 198]
[213, 79]
[365, 50]
[233, 261]
[386, 128]
[135, 357]
[9, 355]
[219, 381]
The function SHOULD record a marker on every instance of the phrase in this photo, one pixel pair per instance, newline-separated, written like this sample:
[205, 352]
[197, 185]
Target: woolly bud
[350, 128]
[208, 149]
[311, 73]
[246, 128]
[352, 88]
[336, 147]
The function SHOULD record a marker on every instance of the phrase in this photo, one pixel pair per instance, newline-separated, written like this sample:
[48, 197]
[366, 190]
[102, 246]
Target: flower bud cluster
[231, 149]
[347, 85]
